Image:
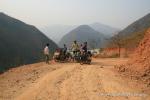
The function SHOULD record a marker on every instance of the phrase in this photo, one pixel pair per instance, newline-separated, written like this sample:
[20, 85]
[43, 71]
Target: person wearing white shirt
[46, 53]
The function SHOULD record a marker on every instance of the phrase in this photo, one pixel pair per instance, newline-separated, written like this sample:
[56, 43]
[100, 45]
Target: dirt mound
[139, 64]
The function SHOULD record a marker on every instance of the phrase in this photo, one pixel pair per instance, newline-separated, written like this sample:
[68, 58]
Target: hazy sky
[117, 13]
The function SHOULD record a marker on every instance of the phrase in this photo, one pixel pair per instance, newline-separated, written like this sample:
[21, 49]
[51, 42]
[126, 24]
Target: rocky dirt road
[72, 81]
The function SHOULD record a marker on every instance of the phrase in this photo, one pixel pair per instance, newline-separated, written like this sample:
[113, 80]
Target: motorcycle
[82, 57]
[86, 58]
[79, 57]
[61, 56]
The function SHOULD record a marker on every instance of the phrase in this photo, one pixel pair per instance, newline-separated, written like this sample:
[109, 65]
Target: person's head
[64, 45]
[56, 50]
[85, 43]
[75, 41]
[47, 44]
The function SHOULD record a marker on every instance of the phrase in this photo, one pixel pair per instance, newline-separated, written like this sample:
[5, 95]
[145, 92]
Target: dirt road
[72, 81]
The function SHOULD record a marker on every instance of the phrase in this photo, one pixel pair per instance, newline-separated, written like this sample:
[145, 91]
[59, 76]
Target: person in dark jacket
[84, 48]
[65, 49]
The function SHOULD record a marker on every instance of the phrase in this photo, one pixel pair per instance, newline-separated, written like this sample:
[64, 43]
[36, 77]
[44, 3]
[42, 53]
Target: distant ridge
[105, 29]
[84, 33]
[56, 32]
[134, 33]
[137, 26]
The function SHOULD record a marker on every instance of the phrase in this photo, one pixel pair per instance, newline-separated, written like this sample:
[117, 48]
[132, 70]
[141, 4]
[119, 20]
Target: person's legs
[47, 59]
[74, 55]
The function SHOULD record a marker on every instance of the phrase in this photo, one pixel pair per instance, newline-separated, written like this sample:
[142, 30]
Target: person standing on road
[75, 47]
[65, 49]
[81, 46]
[46, 53]
[84, 48]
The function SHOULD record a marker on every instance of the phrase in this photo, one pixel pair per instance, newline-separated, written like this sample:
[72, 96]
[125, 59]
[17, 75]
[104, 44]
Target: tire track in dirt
[48, 86]
[73, 88]
[84, 84]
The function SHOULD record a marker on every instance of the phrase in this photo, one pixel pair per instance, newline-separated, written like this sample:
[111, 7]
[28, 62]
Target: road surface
[72, 81]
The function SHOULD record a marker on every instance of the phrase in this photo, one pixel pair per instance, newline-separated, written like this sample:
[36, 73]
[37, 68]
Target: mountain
[84, 33]
[20, 43]
[134, 33]
[56, 32]
[105, 29]
[137, 26]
